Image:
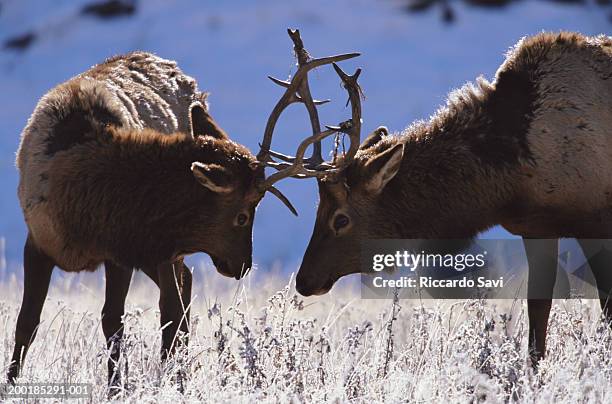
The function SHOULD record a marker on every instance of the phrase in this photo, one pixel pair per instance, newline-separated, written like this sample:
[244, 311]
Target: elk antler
[298, 90]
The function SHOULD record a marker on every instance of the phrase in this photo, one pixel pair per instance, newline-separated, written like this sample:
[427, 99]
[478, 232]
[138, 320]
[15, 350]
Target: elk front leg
[37, 267]
[117, 285]
[174, 300]
[599, 256]
[542, 261]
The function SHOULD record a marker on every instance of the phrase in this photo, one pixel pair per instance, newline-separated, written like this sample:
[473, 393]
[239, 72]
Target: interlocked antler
[298, 90]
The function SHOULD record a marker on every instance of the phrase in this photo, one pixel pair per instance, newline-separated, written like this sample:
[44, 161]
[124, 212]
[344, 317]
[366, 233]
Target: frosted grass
[258, 340]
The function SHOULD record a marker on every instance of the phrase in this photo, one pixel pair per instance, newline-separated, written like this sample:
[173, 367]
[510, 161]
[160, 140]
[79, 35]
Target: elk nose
[308, 286]
[302, 289]
[313, 285]
[301, 285]
[224, 267]
[244, 270]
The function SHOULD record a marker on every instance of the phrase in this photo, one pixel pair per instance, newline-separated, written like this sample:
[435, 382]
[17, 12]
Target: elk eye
[341, 221]
[242, 219]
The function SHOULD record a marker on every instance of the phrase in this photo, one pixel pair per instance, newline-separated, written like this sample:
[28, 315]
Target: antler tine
[296, 98]
[315, 102]
[282, 83]
[351, 127]
[297, 168]
[295, 90]
[353, 130]
[298, 90]
[305, 95]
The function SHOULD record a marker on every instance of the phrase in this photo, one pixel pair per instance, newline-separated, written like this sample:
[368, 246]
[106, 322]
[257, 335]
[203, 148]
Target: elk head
[350, 209]
[229, 179]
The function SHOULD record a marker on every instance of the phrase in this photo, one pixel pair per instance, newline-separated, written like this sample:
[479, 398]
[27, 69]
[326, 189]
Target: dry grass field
[256, 340]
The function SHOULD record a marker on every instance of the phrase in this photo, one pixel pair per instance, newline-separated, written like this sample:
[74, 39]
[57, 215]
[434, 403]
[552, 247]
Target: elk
[530, 151]
[123, 165]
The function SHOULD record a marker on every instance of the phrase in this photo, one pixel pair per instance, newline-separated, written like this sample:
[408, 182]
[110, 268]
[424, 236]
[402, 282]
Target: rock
[108, 9]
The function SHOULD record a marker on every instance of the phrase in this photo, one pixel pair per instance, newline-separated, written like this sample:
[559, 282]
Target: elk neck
[460, 169]
[148, 204]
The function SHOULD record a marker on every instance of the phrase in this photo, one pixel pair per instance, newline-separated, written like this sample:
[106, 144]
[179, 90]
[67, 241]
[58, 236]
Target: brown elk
[530, 151]
[123, 165]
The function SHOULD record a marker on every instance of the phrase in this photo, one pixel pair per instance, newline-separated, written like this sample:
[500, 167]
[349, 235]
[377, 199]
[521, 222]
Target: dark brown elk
[123, 165]
[530, 151]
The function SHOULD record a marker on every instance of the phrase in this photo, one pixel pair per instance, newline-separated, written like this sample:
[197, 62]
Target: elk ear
[382, 168]
[202, 124]
[212, 176]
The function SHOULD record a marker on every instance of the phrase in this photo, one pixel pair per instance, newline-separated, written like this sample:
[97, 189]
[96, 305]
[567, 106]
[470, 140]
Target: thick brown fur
[531, 151]
[105, 168]
[474, 154]
[123, 165]
[130, 196]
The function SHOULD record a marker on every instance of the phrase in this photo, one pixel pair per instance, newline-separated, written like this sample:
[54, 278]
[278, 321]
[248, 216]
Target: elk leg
[174, 300]
[152, 274]
[599, 256]
[37, 268]
[603, 277]
[542, 261]
[117, 285]
[186, 295]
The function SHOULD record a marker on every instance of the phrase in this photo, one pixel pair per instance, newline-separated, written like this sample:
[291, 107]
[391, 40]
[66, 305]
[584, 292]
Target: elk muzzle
[232, 268]
[326, 260]
[308, 285]
[315, 277]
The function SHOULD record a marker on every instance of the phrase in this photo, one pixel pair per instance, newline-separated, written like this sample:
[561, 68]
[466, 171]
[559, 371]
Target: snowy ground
[257, 341]
[410, 62]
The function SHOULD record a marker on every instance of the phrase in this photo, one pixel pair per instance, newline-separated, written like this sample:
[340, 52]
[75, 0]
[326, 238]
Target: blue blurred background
[413, 54]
